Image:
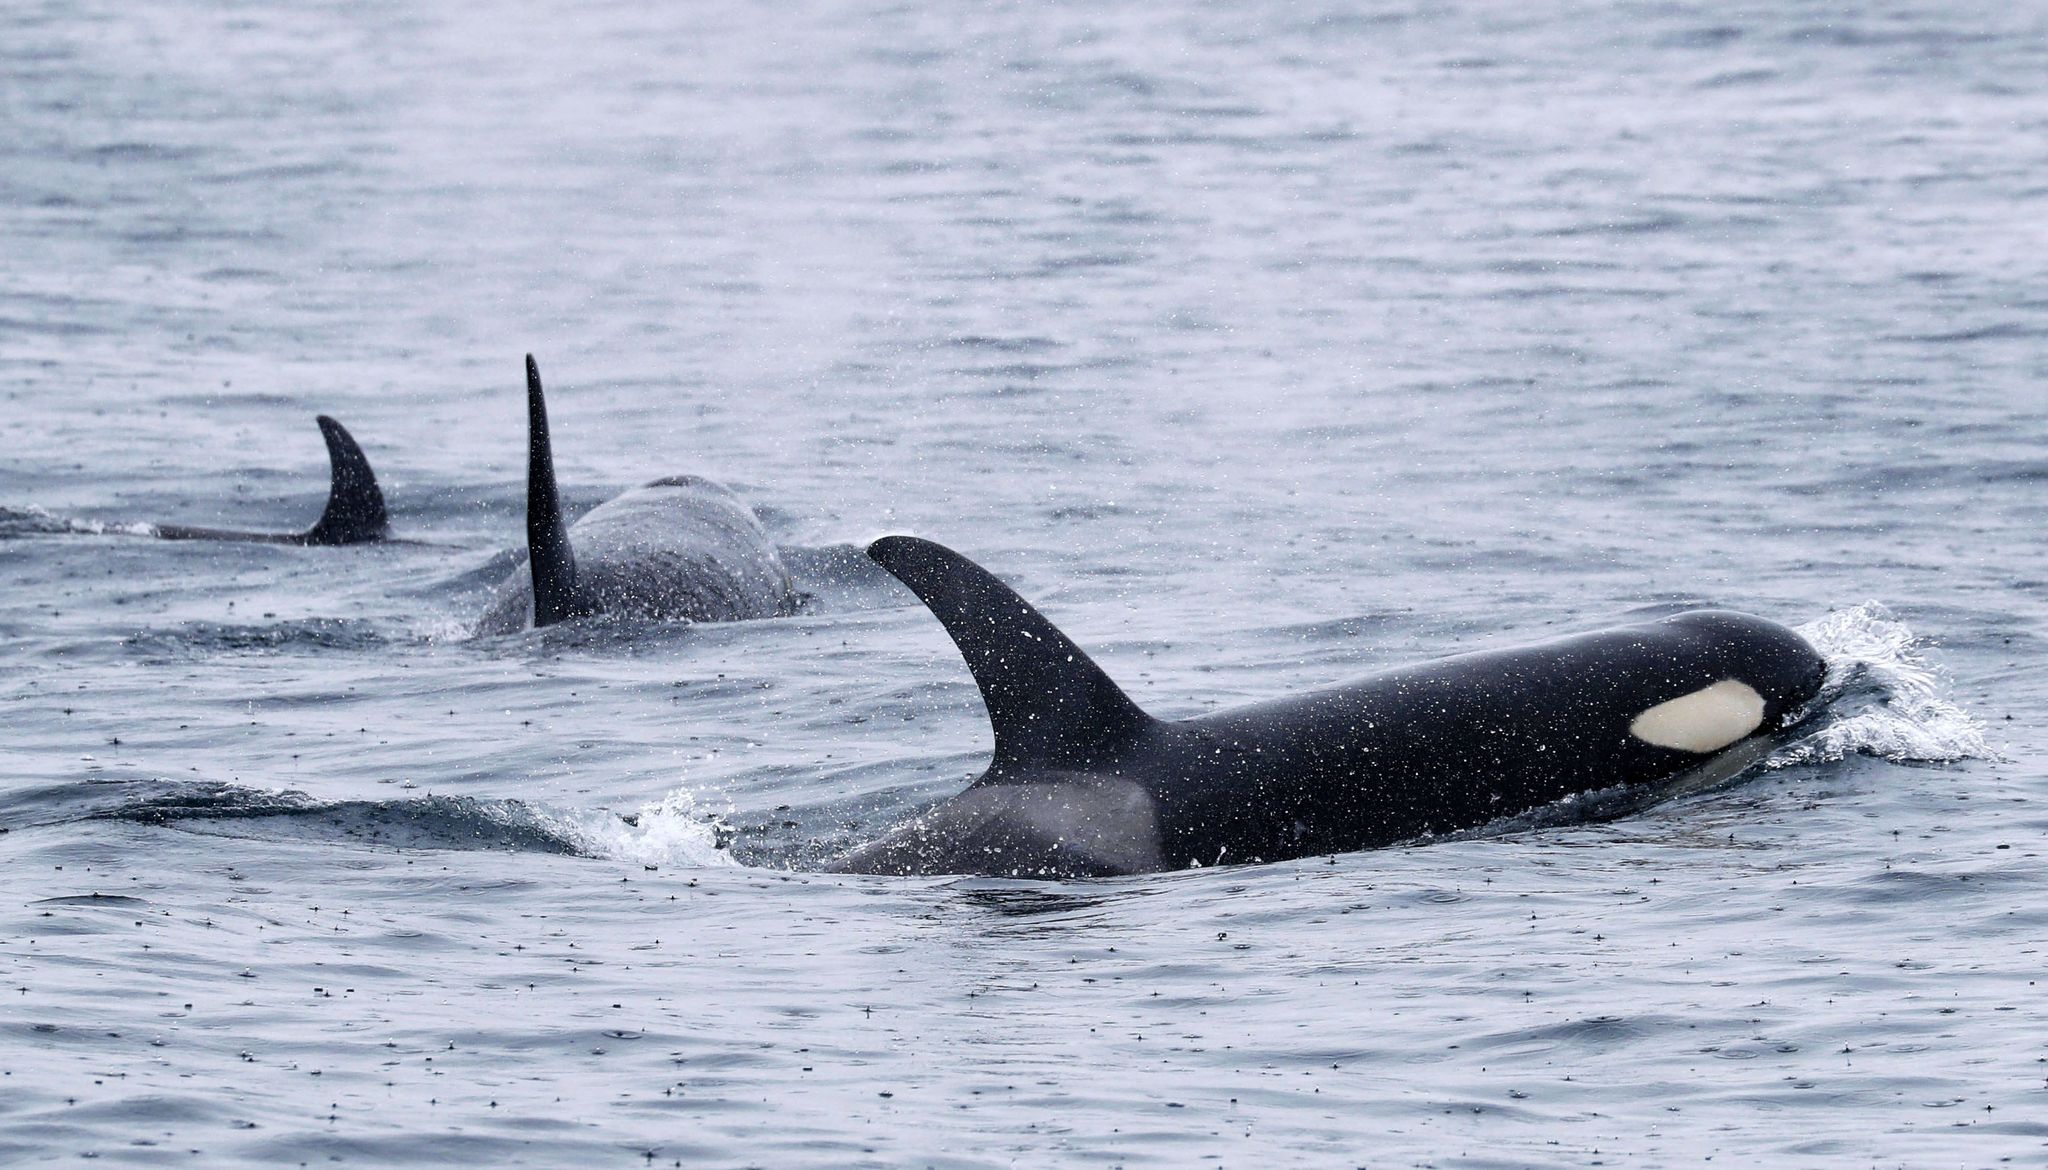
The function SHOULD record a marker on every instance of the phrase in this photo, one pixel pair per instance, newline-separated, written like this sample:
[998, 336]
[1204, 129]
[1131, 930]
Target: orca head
[1770, 678]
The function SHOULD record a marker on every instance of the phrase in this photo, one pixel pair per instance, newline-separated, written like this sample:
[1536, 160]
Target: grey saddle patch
[1086, 828]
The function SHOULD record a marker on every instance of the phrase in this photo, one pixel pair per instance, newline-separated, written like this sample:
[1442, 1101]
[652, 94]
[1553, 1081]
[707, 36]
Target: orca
[678, 548]
[1085, 784]
[355, 508]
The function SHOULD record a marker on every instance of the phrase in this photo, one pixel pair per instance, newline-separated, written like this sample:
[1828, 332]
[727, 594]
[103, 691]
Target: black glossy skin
[1452, 743]
[355, 507]
[1084, 783]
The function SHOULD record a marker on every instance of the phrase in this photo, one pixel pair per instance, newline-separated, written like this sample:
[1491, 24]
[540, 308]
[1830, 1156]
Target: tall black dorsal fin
[355, 508]
[547, 538]
[1051, 706]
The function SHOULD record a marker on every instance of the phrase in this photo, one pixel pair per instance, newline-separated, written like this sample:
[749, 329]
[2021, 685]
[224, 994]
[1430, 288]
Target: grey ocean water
[1263, 345]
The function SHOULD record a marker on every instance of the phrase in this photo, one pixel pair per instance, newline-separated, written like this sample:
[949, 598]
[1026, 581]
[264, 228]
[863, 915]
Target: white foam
[1912, 719]
[41, 519]
[669, 833]
[443, 628]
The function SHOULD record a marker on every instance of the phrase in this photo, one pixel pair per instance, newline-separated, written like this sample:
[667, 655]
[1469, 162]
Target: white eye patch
[1706, 720]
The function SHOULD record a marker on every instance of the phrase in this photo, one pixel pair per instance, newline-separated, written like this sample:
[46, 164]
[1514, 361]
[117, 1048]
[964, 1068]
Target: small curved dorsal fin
[355, 508]
[1050, 705]
[547, 537]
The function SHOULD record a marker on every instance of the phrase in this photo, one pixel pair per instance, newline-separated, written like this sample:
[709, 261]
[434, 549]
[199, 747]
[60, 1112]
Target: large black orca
[1085, 784]
[680, 548]
[355, 508]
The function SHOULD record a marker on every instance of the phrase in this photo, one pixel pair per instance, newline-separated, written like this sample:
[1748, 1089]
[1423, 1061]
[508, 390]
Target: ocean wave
[1884, 696]
[667, 833]
[206, 638]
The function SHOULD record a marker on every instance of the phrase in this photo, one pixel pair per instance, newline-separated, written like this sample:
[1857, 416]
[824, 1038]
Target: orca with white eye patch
[1083, 783]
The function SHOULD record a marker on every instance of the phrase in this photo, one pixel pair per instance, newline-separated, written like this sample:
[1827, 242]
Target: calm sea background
[1262, 345]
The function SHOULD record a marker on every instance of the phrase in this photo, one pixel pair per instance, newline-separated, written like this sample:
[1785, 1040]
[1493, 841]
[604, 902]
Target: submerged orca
[355, 508]
[677, 548]
[1085, 784]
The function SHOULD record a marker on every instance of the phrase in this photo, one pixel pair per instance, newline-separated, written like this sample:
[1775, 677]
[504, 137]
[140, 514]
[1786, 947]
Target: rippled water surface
[1262, 345]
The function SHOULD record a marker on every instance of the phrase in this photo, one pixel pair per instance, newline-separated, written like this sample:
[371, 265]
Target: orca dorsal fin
[355, 508]
[1050, 705]
[547, 537]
